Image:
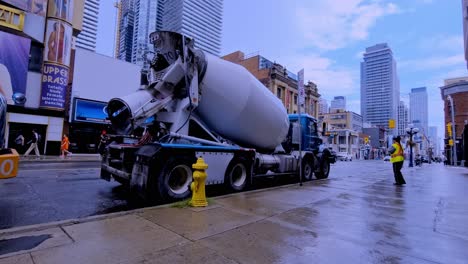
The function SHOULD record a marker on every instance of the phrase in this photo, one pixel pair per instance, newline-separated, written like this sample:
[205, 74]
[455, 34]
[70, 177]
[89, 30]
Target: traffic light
[449, 129]
[391, 123]
[450, 142]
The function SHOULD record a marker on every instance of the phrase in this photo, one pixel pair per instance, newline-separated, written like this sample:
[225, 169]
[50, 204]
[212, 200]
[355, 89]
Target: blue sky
[327, 39]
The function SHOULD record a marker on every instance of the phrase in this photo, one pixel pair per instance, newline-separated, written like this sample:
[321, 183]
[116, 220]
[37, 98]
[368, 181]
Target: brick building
[279, 81]
[458, 90]
[459, 93]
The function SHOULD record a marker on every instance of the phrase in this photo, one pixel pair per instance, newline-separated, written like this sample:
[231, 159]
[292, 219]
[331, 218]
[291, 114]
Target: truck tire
[175, 179]
[324, 169]
[237, 175]
[307, 169]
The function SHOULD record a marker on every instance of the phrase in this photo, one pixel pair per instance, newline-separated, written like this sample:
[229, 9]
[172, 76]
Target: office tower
[201, 20]
[125, 23]
[418, 109]
[87, 37]
[403, 118]
[380, 86]
[465, 28]
[419, 114]
[145, 22]
[433, 139]
[323, 106]
[338, 103]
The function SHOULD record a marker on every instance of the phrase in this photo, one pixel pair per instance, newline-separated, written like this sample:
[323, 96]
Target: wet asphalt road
[45, 192]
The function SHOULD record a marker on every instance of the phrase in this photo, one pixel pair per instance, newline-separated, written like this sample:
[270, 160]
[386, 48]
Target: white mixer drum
[239, 107]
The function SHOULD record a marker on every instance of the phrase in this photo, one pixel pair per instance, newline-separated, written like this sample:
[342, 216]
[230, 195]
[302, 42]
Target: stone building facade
[279, 81]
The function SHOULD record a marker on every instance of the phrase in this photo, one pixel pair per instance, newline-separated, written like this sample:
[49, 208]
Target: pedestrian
[397, 159]
[64, 147]
[34, 141]
[19, 142]
[103, 142]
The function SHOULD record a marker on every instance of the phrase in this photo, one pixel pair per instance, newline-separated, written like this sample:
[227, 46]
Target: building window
[278, 92]
[295, 99]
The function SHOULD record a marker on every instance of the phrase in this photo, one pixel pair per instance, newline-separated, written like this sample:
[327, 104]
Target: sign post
[301, 99]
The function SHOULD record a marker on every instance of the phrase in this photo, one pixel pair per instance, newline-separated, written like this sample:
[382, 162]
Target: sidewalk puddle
[21, 243]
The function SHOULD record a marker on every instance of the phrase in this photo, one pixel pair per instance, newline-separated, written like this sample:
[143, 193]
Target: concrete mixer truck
[201, 105]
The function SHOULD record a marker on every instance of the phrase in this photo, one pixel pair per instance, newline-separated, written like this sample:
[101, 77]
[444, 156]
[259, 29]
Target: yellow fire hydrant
[198, 184]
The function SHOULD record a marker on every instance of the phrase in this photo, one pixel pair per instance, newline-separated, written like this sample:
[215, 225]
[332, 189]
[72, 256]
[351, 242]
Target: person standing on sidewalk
[397, 159]
[34, 141]
[19, 142]
[104, 139]
[64, 147]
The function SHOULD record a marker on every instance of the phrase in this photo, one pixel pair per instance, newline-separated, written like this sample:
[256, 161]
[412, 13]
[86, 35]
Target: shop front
[87, 121]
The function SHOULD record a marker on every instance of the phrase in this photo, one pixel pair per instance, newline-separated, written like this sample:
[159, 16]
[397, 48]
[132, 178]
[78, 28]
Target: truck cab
[311, 140]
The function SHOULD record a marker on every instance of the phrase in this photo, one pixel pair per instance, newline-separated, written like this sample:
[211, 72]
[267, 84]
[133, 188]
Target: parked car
[343, 156]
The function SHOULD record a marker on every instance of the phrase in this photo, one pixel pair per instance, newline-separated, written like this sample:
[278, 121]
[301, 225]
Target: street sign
[391, 123]
[300, 85]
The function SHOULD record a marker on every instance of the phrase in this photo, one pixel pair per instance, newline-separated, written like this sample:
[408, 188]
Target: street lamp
[454, 147]
[411, 131]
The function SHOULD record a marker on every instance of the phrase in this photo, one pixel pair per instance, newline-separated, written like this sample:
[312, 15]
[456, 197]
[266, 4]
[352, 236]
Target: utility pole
[454, 147]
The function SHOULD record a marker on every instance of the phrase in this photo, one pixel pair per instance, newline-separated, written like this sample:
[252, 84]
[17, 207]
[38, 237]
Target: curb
[74, 221]
[32, 161]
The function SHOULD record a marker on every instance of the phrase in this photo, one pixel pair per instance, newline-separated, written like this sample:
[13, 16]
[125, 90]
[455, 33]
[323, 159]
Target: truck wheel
[307, 169]
[175, 179]
[237, 175]
[324, 169]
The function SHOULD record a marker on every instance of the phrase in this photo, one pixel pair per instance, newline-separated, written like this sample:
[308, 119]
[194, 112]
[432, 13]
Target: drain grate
[21, 243]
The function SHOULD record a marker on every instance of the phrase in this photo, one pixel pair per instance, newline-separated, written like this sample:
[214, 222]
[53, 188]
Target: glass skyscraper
[419, 109]
[403, 117]
[200, 20]
[338, 103]
[145, 22]
[88, 35]
[380, 87]
[125, 21]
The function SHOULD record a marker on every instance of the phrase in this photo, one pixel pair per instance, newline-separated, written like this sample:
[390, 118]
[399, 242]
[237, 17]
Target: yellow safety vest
[398, 154]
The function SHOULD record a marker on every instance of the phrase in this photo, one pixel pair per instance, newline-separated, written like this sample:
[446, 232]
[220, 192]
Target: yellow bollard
[9, 159]
[198, 184]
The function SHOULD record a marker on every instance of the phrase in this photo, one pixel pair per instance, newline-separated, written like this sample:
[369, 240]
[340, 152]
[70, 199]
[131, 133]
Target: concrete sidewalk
[53, 158]
[346, 219]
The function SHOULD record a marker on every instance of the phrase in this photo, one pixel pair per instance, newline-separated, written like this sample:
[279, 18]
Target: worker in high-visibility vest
[397, 158]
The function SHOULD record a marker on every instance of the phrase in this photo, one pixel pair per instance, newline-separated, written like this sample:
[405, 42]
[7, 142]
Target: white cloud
[442, 43]
[359, 55]
[330, 79]
[329, 25]
[431, 63]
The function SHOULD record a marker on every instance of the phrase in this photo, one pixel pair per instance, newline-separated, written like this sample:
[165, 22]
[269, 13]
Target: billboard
[14, 60]
[61, 9]
[57, 53]
[58, 42]
[54, 85]
[89, 111]
[38, 7]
